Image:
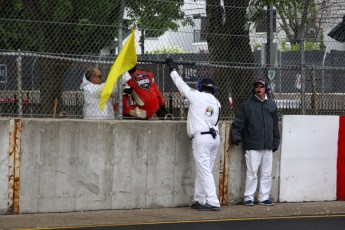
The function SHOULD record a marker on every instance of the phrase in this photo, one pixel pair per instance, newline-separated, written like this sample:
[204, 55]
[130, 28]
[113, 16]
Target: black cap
[260, 81]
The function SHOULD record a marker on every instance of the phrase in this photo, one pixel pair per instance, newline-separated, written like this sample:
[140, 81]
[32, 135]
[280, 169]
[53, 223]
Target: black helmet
[206, 84]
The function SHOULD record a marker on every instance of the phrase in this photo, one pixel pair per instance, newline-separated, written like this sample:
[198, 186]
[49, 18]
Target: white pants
[205, 150]
[254, 159]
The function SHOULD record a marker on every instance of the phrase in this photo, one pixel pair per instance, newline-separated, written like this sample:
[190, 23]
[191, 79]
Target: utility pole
[270, 57]
[269, 42]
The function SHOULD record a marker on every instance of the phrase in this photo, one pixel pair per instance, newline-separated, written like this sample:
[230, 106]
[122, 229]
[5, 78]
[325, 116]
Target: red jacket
[144, 86]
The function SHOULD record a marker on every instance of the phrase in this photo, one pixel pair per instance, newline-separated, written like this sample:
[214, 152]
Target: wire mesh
[46, 46]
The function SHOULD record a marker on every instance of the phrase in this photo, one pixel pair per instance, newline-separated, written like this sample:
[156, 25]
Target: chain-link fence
[46, 46]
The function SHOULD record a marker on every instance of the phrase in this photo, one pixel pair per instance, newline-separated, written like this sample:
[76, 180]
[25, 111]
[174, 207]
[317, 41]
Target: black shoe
[208, 207]
[195, 205]
[249, 203]
[267, 203]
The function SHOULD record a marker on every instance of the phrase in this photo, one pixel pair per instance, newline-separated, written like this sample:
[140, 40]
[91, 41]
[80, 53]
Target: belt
[203, 133]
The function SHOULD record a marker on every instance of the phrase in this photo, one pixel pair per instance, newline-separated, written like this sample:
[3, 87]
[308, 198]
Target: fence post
[313, 91]
[224, 164]
[19, 83]
[269, 47]
[14, 156]
[119, 45]
[303, 110]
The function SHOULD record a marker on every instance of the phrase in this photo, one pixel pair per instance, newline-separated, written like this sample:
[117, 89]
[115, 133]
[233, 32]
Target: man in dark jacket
[257, 123]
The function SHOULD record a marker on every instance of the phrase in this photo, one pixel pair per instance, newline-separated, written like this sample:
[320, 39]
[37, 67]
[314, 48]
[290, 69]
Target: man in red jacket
[145, 93]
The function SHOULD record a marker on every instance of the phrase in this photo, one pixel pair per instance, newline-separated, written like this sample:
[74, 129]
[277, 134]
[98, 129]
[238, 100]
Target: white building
[189, 39]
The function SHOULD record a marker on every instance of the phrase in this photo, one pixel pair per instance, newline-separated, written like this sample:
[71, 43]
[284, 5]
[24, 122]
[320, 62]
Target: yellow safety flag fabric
[125, 61]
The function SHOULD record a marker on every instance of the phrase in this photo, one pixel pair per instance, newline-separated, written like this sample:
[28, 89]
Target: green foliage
[257, 46]
[311, 46]
[296, 47]
[283, 46]
[156, 18]
[80, 27]
[167, 50]
[14, 35]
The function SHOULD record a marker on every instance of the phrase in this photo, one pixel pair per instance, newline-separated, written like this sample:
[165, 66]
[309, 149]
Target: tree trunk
[228, 44]
[52, 76]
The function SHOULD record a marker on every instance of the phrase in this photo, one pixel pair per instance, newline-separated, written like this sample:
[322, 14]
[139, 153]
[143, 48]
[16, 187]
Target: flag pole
[119, 82]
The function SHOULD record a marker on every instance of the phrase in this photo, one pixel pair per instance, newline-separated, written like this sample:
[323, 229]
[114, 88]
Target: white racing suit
[203, 114]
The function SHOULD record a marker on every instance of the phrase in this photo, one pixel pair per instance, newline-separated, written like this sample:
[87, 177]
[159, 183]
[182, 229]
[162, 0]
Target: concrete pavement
[167, 215]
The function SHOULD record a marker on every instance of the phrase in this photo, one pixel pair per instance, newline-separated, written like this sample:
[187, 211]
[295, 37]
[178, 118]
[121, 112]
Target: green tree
[228, 37]
[75, 27]
[290, 13]
[64, 26]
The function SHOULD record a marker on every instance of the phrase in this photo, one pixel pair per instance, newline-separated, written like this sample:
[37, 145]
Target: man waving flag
[125, 61]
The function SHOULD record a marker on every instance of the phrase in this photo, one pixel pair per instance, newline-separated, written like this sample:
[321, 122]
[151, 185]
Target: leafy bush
[295, 47]
[167, 50]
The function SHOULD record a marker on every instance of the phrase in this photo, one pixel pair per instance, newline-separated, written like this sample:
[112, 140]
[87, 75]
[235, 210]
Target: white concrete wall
[73, 165]
[308, 158]
[4, 149]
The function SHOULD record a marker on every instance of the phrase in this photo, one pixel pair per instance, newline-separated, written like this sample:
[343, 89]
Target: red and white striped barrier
[341, 160]
[312, 163]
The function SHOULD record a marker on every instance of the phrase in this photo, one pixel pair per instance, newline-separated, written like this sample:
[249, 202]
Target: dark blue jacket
[257, 123]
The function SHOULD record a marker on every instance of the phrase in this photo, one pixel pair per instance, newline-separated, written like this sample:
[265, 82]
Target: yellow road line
[192, 221]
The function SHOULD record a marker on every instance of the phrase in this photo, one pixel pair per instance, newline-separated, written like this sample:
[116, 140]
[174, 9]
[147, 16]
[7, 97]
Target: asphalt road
[331, 222]
[306, 215]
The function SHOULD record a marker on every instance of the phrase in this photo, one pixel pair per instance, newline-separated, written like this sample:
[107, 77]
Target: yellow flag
[125, 61]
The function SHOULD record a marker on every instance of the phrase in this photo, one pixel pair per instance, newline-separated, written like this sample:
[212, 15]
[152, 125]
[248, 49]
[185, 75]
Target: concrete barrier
[309, 158]
[74, 165]
[4, 150]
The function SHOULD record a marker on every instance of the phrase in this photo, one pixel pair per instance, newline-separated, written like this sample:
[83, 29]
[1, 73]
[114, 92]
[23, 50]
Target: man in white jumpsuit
[92, 87]
[202, 128]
